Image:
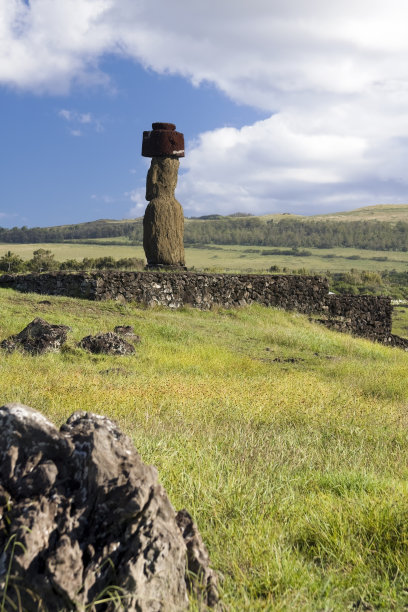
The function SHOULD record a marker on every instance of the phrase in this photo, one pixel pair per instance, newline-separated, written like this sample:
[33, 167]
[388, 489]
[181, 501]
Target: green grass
[400, 320]
[295, 472]
[229, 258]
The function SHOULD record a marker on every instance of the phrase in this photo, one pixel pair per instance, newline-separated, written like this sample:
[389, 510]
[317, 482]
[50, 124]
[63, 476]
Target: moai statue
[163, 222]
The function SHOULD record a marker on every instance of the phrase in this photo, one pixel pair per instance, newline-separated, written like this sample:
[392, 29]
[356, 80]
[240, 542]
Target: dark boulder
[37, 338]
[89, 519]
[127, 331]
[108, 344]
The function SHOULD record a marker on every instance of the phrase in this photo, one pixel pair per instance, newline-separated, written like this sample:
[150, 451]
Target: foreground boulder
[38, 337]
[108, 344]
[91, 521]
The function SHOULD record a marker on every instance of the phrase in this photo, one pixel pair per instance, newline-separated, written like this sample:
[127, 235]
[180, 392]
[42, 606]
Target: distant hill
[389, 213]
[382, 227]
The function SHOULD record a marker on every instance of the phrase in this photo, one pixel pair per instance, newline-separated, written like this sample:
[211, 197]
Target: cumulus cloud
[285, 164]
[333, 76]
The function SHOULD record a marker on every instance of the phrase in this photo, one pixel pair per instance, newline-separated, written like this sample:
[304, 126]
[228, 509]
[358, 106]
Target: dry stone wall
[303, 293]
[366, 316]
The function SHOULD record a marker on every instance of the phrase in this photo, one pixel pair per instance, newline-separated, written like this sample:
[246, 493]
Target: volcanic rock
[128, 332]
[163, 222]
[38, 337]
[88, 519]
[200, 578]
[107, 343]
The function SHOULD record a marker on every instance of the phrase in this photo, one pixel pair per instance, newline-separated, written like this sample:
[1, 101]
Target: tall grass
[296, 472]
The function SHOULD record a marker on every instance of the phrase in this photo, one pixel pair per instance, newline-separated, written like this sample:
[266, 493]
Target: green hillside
[388, 213]
[285, 441]
[376, 228]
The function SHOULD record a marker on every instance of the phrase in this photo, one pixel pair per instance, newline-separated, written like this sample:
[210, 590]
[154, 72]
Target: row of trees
[44, 261]
[294, 233]
[250, 231]
[253, 231]
[81, 231]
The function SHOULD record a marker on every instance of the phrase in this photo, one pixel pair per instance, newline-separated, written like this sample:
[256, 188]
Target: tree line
[249, 231]
[65, 233]
[375, 235]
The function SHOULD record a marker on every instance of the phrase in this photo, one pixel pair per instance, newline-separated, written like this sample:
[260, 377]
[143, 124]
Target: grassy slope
[390, 213]
[296, 472]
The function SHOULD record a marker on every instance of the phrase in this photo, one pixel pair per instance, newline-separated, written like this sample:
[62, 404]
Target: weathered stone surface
[108, 343]
[163, 222]
[38, 337]
[90, 516]
[200, 578]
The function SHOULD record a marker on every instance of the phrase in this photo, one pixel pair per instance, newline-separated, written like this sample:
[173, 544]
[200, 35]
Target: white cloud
[104, 198]
[285, 163]
[333, 76]
[137, 196]
[76, 118]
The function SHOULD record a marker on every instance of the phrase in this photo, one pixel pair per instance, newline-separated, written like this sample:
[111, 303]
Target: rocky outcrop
[83, 519]
[107, 343]
[37, 338]
[163, 222]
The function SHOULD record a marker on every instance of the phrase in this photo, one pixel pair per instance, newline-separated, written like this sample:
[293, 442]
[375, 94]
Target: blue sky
[286, 107]
[77, 157]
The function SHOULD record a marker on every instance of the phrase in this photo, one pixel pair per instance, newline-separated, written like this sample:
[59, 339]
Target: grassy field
[230, 258]
[287, 442]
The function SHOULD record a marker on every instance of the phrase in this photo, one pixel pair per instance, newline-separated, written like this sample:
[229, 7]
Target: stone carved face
[161, 178]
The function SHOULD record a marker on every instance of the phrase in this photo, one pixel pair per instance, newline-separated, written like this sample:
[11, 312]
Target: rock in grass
[90, 518]
[108, 343]
[38, 337]
[127, 331]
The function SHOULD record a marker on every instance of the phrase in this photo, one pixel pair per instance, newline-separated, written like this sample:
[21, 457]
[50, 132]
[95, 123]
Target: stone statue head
[161, 178]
